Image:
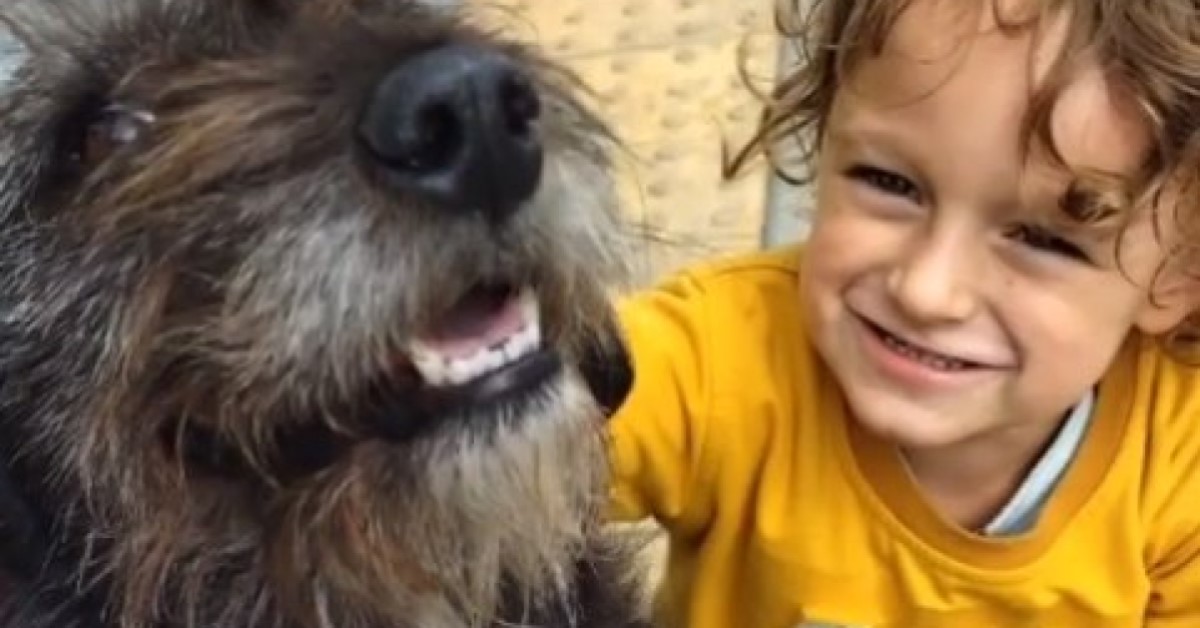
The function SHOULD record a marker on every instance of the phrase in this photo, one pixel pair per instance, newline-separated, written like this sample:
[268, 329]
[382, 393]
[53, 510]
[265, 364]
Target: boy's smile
[946, 289]
[927, 365]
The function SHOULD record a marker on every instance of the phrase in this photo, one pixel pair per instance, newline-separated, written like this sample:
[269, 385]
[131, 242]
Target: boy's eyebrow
[857, 134]
[876, 140]
[1087, 201]
[1078, 208]
[1090, 203]
[1090, 199]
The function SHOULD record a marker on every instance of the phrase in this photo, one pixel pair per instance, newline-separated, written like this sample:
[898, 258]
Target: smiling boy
[959, 403]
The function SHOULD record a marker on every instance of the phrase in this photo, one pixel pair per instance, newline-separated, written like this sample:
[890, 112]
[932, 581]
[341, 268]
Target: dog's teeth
[438, 369]
[429, 363]
[529, 337]
[460, 370]
[494, 358]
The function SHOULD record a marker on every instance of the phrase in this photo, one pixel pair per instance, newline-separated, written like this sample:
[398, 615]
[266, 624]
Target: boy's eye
[885, 181]
[1044, 240]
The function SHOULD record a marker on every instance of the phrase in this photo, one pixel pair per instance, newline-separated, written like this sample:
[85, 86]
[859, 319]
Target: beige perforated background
[667, 77]
[670, 78]
[667, 74]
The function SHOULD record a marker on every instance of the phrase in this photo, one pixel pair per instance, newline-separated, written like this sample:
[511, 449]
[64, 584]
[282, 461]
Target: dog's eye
[108, 129]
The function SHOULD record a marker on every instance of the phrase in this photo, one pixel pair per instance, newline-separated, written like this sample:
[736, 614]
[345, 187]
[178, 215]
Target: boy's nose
[456, 125]
[932, 284]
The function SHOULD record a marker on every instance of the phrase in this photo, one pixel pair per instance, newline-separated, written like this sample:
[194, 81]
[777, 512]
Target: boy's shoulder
[776, 262]
[1158, 396]
[1166, 386]
[737, 311]
[1162, 394]
[765, 272]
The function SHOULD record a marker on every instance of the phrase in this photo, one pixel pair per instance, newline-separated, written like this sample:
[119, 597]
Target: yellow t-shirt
[783, 513]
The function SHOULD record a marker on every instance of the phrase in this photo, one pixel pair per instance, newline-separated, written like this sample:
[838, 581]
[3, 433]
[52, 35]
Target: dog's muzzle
[456, 125]
[307, 448]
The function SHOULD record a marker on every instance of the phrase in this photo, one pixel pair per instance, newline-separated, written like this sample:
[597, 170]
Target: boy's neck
[970, 482]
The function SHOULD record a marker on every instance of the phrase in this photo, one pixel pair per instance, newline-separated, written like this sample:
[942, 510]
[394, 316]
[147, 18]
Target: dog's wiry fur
[236, 267]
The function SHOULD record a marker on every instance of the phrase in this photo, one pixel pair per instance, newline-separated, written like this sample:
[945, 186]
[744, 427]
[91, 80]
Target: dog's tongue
[483, 318]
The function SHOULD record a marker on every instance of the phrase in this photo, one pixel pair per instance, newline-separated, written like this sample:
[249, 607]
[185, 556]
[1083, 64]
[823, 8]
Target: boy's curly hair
[1151, 48]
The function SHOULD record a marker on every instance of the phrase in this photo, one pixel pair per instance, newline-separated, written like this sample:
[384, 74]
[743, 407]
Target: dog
[305, 321]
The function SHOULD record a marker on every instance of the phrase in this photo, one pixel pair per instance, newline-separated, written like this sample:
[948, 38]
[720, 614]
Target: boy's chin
[911, 426]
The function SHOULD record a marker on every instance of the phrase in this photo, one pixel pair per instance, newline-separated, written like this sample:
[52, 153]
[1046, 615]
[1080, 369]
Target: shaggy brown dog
[303, 321]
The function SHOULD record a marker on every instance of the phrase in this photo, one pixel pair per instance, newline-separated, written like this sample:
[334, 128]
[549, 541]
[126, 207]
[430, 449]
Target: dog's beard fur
[448, 529]
[441, 538]
[490, 509]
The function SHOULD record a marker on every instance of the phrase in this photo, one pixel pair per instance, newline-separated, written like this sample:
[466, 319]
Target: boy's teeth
[440, 369]
[939, 362]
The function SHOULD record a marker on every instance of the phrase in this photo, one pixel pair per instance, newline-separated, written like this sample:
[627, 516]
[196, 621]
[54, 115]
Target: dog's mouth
[477, 365]
[493, 327]
[479, 360]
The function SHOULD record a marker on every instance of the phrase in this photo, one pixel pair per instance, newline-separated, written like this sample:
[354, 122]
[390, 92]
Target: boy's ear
[1175, 296]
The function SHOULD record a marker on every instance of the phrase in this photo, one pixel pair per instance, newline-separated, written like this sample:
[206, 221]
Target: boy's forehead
[935, 36]
[949, 72]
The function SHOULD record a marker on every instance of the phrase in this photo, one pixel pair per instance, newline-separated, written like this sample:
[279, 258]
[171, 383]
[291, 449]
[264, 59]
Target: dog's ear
[39, 584]
[24, 534]
[607, 367]
[252, 16]
[257, 7]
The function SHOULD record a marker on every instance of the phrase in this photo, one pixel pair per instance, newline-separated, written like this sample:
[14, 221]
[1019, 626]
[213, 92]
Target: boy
[955, 405]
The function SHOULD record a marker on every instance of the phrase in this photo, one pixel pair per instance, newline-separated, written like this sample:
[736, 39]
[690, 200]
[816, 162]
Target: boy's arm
[659, 433]
[1174, 549]
[1175, 597]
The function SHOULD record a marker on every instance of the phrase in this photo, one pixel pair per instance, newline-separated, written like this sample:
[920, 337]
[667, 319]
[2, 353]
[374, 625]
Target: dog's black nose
[457, 125]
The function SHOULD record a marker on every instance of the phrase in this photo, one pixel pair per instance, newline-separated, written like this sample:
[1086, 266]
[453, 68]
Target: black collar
[302, 451]
[306, 449]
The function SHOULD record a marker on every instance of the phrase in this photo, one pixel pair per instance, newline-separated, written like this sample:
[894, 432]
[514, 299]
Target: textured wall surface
[667, 77]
